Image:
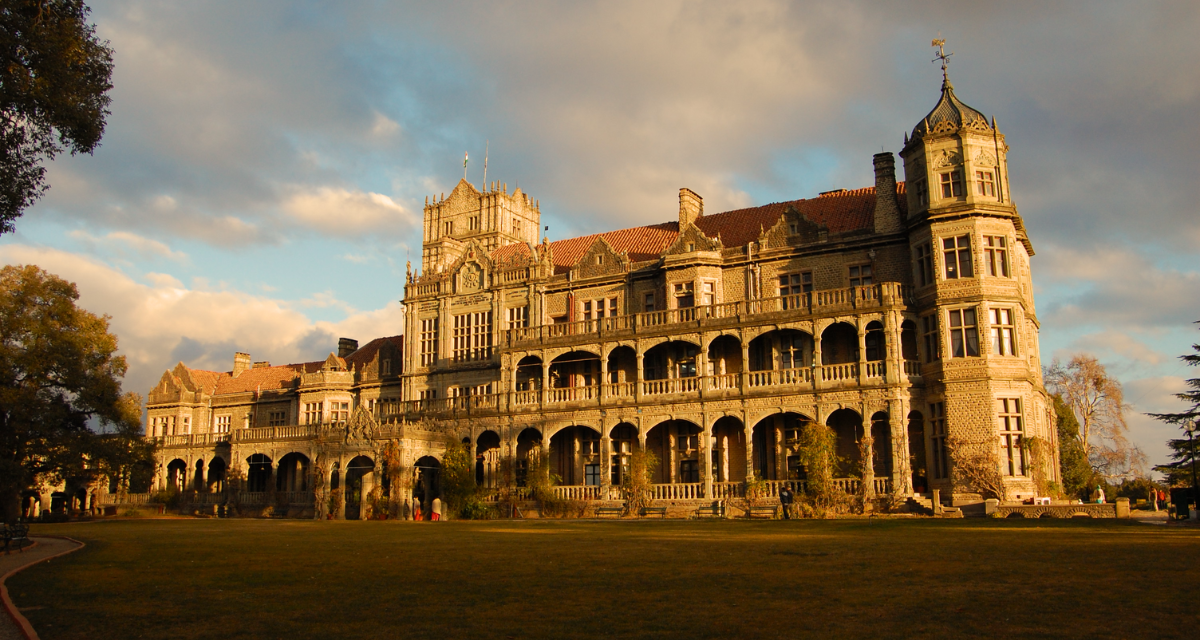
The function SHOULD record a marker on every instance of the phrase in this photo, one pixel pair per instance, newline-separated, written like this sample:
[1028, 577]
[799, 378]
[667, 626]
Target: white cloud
[124, 241]
[162, 322]
[383, 126]
[345, 212]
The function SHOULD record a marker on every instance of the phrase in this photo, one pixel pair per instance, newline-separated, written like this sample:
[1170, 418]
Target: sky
[260, 182]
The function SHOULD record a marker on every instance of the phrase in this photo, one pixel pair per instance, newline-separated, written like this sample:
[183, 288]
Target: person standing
[785, 499]
[1099, 494]
[436, 510]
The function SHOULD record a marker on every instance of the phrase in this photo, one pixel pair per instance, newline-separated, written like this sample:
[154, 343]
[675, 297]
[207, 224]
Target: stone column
[706, 466]
[744, 381]
[749, 428]
[603, 384]
[641, 375]
[901, 465]
[545, 398]
[862, 351]
[368, 485]
[605, 461]
[780, 457]
[818, 359]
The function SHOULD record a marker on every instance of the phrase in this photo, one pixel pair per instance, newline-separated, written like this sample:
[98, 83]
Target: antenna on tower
[485, 155]
[941, 54]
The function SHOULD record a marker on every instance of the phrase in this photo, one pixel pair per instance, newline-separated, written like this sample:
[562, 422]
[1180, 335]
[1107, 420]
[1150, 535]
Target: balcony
[827, 302]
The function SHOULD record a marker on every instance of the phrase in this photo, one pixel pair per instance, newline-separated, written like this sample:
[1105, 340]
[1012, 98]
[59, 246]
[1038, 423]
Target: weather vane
[941, 54]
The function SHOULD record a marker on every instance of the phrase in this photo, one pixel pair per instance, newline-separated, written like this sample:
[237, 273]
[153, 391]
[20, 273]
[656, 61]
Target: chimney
[691, 206]
[346, 346]
[241, 362]
[887, 210]
[262, 364]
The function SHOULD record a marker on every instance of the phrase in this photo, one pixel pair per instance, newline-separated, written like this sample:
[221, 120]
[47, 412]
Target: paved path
[46, 548]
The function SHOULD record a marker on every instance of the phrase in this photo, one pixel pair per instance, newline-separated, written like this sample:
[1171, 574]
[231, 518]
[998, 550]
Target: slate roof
[840, 211]
[949, 109]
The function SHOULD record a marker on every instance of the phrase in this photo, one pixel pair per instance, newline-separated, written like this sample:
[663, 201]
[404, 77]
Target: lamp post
[1192, 447]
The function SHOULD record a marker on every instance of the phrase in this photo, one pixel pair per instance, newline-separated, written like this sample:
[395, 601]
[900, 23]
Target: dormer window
[691, 246]
[793, 228]
[952, 184]
[600, 261]
[985, 184]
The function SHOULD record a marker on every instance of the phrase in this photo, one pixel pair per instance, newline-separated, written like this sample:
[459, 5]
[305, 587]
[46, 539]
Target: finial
[940, 43]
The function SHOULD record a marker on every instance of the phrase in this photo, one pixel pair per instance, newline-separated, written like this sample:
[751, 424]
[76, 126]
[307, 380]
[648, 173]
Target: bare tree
[1098, 402]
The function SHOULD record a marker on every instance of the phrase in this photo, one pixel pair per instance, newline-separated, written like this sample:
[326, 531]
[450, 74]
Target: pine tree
[1179, 470]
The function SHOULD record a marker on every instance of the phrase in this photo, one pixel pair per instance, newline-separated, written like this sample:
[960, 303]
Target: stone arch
[197, 483]
[622, 365]
[916, 451]
[292, 474]
[839, 344]
[578, 368]
[908, 341]
[847, 425]
[781, 349]
[676, 443]
[177, 471]
[529, 443]
[427, 484]
[875, 342]
[259, 469]
[528, 373]
[770, 437]
[728, 446]
[671, 359]
[881, 433]
[487, 459]
[1015, 514]
[575, 454]
[724, 357]
[1081, 514]
[217, 471]
[360, 478]
[624, 440]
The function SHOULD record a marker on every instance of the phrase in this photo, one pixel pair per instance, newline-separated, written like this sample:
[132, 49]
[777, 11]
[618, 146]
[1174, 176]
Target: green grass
[892, 578]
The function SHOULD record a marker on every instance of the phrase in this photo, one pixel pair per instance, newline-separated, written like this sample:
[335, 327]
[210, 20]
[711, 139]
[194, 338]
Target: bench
[657, 511]
[762, 512]
[614, 512]
[714, 510]
[16, 534]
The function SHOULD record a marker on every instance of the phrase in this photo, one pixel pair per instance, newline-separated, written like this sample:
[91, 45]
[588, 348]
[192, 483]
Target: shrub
[636, 483]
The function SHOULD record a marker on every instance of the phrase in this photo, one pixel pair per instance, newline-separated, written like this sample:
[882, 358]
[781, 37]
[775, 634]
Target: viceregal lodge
[901, 309]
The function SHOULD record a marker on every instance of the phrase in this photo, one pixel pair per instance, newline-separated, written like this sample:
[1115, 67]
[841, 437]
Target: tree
[1076, 471]
[54, 84]
[62, 414]
[1098, 403]
[1179, 470]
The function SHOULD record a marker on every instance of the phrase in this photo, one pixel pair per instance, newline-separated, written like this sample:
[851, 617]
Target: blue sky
[260, 183]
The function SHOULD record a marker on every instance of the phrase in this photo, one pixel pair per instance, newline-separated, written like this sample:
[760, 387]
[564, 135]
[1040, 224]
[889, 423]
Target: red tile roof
[366, 353]
[840, 211]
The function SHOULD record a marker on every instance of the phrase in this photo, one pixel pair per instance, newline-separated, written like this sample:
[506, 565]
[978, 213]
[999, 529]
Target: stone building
[902, 309]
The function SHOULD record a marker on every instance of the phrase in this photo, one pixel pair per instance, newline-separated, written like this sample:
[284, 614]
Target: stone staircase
[918, 503]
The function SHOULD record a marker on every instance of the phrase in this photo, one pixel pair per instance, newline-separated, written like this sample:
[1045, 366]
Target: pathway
[15, 561]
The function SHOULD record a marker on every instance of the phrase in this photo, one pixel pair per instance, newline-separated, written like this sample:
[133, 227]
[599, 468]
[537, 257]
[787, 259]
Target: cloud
[344, 212]
[1121, 344]
[162, 321]
[124, 240]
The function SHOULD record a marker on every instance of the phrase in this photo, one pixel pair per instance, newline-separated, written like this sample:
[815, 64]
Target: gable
[791, 229]
[692, 239]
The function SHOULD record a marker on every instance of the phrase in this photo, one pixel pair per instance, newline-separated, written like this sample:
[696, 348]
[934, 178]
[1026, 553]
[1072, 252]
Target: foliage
[1178, 472]
[1076, 471]
[636, 483]
[976, 467]
[817, 448]
[62, 414]
[334, 501]
[168, 497]
[1037, 458]
[1136, 489]
[753, 492]
[541, 482]
[461, 494]
[397, 478]
[54, 84]
[1098, 402]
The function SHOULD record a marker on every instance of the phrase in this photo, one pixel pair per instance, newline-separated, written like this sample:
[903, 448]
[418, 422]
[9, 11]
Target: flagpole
[464, 165]
[485, 155]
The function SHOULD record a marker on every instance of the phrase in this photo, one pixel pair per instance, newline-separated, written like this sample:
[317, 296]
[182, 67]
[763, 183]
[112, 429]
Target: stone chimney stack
[346, 346]
[887, 211]
[241, 362]
[691, 206]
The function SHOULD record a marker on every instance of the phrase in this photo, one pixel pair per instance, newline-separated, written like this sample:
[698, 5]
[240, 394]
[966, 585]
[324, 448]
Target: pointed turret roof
[951, 114]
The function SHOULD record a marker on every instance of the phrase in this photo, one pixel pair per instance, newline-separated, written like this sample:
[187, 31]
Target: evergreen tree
[1179, 470]
[1076, 472]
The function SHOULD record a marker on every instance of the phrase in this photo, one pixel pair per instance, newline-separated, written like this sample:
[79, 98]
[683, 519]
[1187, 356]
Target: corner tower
[985, 402]
[491, 219]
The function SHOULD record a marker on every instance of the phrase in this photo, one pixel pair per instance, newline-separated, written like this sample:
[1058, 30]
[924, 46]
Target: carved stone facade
[905, 309]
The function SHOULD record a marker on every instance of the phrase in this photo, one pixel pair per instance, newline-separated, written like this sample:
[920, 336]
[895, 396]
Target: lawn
[884, 578]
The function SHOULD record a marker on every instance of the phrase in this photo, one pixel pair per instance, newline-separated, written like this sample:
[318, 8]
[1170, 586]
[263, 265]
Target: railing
[912, 368]
[826, 301]
[780, 376]
[722, 381]
[679, 491]
[670, 385]
[727, 490]
[619, 389]
[836, 372]
[110, 499]
[577, 492]
[532, 396]
[573, 394]
[876, 369]
[286, 432]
